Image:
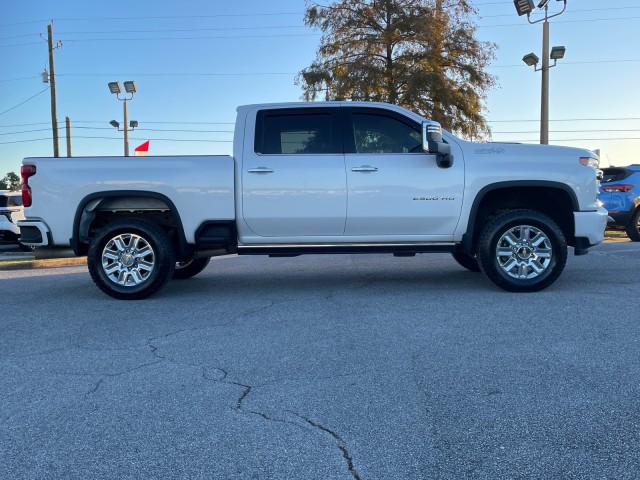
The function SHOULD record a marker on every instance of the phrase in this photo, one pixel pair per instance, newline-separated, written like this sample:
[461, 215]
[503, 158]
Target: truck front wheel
[131, 259]
[522, 251]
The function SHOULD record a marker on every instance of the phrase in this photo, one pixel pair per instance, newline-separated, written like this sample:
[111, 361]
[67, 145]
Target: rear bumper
[35, 233]
[590, 226]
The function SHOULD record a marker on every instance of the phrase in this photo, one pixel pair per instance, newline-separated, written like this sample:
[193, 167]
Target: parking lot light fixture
[531, 59]
[130, 87]
[114, 124]
[114, 87]
[557, 53]
[524, 7]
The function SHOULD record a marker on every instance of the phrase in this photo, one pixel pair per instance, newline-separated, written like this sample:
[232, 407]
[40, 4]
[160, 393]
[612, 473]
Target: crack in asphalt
[342, 445]
[247, 389]
[245, 393]
[95, 388]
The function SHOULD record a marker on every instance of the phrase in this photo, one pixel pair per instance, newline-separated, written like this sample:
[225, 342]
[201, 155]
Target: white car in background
[10, 212]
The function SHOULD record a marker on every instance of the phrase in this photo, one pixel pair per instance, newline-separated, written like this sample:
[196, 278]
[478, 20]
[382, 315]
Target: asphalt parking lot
[324, 367]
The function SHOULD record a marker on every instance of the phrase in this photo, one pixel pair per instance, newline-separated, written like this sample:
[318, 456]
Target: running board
[403, 249]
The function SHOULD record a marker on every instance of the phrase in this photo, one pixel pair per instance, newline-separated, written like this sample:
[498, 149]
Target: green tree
[420, 54]
[11, 181]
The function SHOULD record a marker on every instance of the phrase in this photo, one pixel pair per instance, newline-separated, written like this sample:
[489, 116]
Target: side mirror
[432, 143]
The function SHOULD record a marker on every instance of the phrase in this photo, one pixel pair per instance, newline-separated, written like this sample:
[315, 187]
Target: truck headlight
[590, 162]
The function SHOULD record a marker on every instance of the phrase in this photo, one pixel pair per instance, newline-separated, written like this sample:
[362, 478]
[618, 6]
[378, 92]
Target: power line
[171, 74]
[270, 27]
[120, 139]
[571, 131]
[570, 120]
[28, 131]
[150, 129]
[211, 37]
[25, 101]
[21, 78]
[153, 17]
[173, 17]
[25, 124]
[560, 21]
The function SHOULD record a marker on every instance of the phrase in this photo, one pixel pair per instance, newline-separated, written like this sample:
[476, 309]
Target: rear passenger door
[293, 179]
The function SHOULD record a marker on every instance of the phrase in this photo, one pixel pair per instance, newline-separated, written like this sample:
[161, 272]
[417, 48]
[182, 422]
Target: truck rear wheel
[190, 268]
[131, 259]
[522, 251]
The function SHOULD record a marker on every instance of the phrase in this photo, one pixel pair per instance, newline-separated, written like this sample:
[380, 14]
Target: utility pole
[52, 83]
[67, 123]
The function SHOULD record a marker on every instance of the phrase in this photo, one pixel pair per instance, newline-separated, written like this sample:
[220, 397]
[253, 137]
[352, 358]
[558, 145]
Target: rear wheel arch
[100, 208]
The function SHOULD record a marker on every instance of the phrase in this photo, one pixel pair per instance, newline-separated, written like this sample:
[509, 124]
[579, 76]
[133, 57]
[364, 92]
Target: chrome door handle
[364, 168]
[260, 170]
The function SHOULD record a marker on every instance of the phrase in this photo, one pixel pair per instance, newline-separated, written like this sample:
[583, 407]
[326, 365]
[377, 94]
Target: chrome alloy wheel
[524, 252]
[128, 260]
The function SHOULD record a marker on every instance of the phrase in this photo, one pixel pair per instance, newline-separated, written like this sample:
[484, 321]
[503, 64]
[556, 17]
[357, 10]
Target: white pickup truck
[334, 177]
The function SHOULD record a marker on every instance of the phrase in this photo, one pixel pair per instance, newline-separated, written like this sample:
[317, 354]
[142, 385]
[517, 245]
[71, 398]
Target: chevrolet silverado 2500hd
[334, 177]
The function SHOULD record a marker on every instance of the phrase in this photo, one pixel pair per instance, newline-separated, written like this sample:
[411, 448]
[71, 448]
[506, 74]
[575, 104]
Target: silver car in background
[11, 211]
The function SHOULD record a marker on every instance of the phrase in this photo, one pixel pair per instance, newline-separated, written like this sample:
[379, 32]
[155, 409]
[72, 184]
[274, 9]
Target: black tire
[131, 259]
[468, 261]
[522, 251]
[190, 268]
[633, 229]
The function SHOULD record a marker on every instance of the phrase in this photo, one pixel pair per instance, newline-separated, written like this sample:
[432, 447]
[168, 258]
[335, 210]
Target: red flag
[142, 150]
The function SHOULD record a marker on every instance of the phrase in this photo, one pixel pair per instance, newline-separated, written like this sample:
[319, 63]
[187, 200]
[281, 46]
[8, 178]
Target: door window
[379, 133]
[283, 133]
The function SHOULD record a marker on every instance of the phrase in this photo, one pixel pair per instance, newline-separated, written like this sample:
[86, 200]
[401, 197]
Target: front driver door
[394, 187]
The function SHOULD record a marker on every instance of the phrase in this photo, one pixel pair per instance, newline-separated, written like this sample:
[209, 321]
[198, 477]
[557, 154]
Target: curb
[29, 264]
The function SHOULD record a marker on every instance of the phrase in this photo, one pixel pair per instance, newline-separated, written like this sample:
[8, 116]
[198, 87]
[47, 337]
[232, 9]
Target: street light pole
[525, 7]
[126, 130]
[130, 88]
[544, 95]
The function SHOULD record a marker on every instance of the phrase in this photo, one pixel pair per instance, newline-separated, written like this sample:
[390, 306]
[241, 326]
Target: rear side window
[291, 132]
[615, 174]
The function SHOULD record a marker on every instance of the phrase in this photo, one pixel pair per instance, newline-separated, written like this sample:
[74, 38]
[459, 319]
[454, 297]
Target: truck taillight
[620, 187]
[27, 171]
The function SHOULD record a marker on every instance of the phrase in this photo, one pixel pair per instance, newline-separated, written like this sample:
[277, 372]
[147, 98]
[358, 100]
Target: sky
[194, 62]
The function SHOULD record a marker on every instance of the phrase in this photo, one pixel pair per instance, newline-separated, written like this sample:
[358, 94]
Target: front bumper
[590, 226]
[35, 233]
